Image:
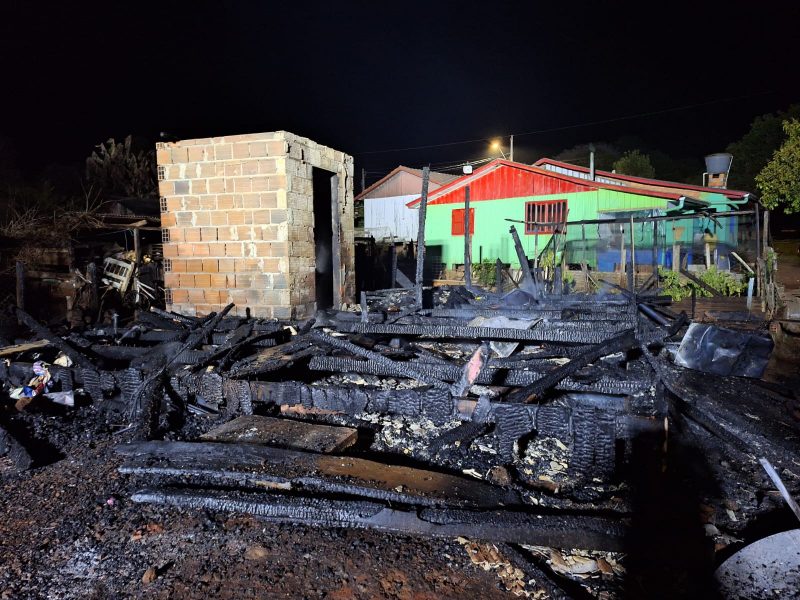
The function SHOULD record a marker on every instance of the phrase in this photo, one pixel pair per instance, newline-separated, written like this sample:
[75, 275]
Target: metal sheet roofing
[505, 179]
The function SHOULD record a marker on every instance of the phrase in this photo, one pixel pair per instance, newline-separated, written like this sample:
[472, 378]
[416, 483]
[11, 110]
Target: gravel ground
[68, 530]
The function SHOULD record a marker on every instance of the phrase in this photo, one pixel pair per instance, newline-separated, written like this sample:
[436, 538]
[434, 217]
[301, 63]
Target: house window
[551, 211]
[457, 221]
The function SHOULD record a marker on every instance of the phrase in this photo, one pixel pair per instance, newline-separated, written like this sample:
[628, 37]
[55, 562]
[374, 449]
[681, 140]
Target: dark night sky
[364, 76]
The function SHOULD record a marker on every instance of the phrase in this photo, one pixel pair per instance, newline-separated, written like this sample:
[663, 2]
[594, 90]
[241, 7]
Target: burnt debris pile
[514, 418]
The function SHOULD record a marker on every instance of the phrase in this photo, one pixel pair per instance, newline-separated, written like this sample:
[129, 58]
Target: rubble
[505, 419]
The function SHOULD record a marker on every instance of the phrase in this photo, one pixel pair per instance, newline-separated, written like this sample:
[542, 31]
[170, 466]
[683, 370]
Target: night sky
[370, 76]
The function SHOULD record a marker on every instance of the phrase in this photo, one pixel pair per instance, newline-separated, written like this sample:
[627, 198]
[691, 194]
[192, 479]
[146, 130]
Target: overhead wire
[574, 125]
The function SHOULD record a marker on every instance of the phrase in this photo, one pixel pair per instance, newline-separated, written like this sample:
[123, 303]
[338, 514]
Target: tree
[779, 180]
[754, 150]
[636, 164]
[121, 170]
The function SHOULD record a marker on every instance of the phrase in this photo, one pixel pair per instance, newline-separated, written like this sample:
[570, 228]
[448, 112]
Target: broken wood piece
[400, 369]
[567, 332]
[574, 531]
[17, 348]
[44, 332]
[619, 343]
[285, 433]
[318, 472]
[700, 282]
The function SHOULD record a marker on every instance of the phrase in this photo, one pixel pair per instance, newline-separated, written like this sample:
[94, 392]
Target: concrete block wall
[237, 223]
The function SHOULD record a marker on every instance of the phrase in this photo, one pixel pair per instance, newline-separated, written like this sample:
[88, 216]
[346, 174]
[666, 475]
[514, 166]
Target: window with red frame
[457, 221]
[551, 211]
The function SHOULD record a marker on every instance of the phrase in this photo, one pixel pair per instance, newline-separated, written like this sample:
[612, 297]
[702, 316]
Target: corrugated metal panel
[510, 182]
[385, 217]
[404, 181]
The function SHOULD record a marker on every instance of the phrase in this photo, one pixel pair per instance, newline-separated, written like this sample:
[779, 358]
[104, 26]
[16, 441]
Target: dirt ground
[69, 531]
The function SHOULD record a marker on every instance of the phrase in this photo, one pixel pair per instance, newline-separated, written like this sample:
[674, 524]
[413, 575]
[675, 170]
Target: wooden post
[137, 246]
[528, 279]
[20, 284]
[676, 257]
[622, 260]
[364, 308]
[654, 261]
[632, 275]
[765, 236]
[91, 273]
[336, 243]
[423, 207]
[467, 246]
[393, 254]
[498, 276]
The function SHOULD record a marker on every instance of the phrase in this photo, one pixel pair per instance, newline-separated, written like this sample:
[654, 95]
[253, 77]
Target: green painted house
[548, 192]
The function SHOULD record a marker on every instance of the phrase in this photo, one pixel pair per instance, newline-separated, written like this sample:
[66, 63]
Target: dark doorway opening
[323, 238]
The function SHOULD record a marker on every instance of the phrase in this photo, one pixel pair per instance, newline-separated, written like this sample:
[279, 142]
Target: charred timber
[491, 375]
[619, 343]
[551, 333]
[573, 531]
[271, 468]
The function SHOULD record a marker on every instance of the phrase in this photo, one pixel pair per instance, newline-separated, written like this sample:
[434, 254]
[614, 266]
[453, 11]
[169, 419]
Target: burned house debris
[582, 434]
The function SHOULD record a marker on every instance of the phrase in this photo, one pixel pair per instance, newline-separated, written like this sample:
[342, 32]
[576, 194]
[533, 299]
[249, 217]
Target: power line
[575, 125]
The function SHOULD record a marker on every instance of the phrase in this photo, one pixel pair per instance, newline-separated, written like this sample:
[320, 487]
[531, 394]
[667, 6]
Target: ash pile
[519, 420]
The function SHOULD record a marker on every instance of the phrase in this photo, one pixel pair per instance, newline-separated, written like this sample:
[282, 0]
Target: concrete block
[192, 234]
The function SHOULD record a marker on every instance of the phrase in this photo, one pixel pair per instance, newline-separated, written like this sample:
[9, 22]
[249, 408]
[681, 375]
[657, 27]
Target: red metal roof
[644, 180]
[505, 179]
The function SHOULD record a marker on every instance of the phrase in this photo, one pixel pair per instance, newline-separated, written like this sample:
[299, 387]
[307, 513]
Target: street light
[497, 147]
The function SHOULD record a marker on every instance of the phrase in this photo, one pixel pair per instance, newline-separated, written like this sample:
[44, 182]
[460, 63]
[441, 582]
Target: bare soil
[69, 530]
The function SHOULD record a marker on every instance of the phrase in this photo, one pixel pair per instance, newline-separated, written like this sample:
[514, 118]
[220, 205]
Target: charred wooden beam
[175, 317]
[114, 352]
[700, 282]
[588, 532]
[423, 207]
[147, 401]
[529, 284]
[724, 405]
[548, 333]
[400, 369]
[310, 471]
[512, 421]
[77, 357]
[492, 375]
[619, 343]
[275, 358]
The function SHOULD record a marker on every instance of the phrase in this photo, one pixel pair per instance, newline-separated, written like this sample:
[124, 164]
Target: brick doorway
[323, 237]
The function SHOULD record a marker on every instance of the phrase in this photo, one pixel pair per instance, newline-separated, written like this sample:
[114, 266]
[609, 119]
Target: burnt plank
[43, 332]
[591, 334]
[574, 531]
[619, 343]
[285, 433]
[320, 472]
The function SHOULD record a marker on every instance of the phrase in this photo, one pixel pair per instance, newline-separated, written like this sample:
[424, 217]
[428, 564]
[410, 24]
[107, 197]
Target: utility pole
[511, 150]
[363, 178]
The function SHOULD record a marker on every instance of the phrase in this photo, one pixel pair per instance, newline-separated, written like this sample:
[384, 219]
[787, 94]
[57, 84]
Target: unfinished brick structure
[264, 220]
